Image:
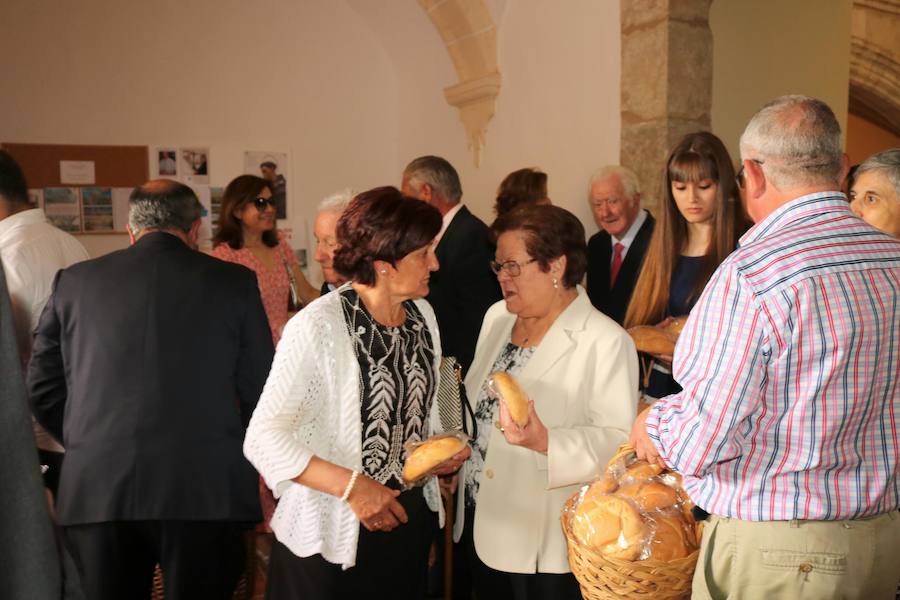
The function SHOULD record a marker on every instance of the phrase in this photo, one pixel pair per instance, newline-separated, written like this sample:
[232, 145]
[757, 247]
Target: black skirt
[388, 564]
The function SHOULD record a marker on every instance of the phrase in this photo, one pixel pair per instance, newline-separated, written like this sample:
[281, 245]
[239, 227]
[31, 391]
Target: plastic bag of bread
[422, 458]
[635, 511]
[505, 388]
[657, 340]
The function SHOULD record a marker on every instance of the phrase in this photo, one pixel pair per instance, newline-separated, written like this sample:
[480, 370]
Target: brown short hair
[525, 186]
[242, 190]
[550, 232]
[381, 224]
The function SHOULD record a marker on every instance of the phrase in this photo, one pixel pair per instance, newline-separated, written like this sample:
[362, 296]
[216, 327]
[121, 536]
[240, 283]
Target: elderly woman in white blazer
[353, 380]
[579, 368]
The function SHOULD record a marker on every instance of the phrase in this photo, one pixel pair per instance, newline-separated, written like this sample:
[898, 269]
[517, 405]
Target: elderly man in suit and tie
[147, 363]
[616, 253]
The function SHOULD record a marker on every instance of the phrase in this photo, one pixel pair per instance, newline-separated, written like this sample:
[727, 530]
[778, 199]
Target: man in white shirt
[32, 251]
[616, 254]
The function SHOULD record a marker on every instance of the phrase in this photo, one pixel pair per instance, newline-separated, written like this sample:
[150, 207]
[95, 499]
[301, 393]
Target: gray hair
[163, 204]
[887, 163]
[631, 185]
[337, 202]
[436, 172]
[798, 140]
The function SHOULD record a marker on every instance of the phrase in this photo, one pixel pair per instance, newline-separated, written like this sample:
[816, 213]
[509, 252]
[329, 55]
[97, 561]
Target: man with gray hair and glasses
[324, 230]
[785, 431]
[875, 196]
[148, 363]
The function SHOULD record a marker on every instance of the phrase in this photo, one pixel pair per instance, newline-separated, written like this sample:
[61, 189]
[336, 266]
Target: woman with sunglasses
[579, 370]
[699, 223]
[247, 236]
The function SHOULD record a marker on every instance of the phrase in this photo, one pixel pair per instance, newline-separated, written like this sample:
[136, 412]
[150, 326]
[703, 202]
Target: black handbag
[454, 409]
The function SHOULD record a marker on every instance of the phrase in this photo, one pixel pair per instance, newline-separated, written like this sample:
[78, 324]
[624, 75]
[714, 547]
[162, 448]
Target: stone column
[666, 83]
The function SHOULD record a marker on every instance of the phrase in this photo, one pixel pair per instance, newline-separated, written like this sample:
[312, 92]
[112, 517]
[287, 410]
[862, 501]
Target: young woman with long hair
[699, 223]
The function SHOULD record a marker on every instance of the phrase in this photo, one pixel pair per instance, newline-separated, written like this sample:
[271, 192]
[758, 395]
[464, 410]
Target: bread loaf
[650, 495]
[642, 470]
[430, 454]
[652, 340]
[676, 325]
[671, 538]
[610, 525]
[513, 395]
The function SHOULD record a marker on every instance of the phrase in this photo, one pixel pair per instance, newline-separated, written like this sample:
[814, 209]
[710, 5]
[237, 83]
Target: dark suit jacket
[33, 564]
[148, 363]
[464, 287]
[614, 302]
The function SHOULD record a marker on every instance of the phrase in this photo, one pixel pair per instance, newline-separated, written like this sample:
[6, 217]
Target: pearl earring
[383, 271]
[555, 283]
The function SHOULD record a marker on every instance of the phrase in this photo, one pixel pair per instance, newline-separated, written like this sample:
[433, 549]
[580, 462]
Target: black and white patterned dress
[512, 360]
[397, 382]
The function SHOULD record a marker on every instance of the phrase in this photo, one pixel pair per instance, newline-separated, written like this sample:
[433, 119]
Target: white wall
[558, 107]
[352, 88]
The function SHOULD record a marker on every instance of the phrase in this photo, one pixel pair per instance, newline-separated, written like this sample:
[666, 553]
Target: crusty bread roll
[512, 394]
[676, 325]
[652, 340]
[610, 525]
[649, 495]
[672, 538]
[429, 455]
[642, 470]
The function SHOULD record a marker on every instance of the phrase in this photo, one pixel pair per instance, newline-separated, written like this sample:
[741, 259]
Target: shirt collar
[25, 217]
[798, 209]
[448, 216]
[629, 236]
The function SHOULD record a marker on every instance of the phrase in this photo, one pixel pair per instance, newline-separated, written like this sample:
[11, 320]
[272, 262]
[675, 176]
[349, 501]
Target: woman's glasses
[512, 268]
[260, 203]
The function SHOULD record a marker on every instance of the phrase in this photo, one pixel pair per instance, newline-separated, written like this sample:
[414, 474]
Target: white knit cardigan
[310, 406]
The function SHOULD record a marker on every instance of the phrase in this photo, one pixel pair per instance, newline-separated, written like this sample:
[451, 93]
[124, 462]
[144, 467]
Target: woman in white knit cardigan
[354, 379]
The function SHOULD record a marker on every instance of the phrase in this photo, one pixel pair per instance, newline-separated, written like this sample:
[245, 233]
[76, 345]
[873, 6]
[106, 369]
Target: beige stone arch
[875, 62]
[470, 35]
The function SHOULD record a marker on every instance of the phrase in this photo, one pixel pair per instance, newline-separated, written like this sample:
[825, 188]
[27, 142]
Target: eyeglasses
[512, 268]
[739, 178]
[260, 203]
[610, 202]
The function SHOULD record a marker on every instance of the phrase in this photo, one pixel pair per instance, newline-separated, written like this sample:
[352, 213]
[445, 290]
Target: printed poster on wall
[271, 166]
[97, 209]
[193, 165]
[62, 208]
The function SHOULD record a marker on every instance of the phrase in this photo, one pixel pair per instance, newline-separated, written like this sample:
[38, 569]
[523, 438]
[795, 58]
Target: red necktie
[616, 263]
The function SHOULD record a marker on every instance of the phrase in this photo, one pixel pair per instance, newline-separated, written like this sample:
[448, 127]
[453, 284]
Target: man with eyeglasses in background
[324, 230]
[616, 253]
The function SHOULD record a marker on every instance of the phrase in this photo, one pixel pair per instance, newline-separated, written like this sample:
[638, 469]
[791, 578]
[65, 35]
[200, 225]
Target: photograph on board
[271, 167]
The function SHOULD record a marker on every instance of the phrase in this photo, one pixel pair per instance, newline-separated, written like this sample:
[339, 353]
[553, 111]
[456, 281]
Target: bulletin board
[91, 208]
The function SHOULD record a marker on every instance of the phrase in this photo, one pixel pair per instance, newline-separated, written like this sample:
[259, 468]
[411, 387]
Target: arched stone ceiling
[469, 33]
[875, 62]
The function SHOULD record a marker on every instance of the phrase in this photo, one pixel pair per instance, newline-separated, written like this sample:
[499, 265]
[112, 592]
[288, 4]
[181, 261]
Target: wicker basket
[604, 578]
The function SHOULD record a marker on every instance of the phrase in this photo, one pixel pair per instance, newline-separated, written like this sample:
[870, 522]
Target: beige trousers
[799, 560]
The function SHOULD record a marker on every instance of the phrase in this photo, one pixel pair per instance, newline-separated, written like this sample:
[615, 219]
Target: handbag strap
[453, 405]
[292, 282]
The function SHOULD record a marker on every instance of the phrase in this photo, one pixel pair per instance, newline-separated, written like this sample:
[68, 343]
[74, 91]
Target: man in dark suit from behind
[464, 287]
[616, 253]
[148, 363]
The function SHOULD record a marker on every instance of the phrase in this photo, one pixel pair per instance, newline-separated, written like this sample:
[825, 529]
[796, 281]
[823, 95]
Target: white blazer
[583, 378]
